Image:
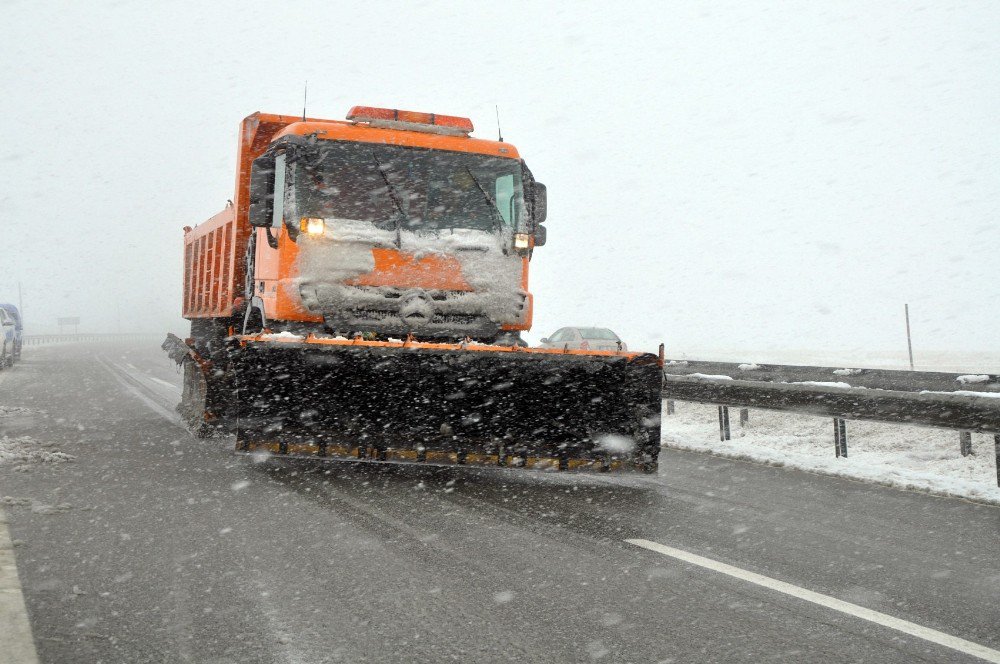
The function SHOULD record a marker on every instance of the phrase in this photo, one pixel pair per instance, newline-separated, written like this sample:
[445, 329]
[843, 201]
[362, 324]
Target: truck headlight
[521, 240]
[312, 226]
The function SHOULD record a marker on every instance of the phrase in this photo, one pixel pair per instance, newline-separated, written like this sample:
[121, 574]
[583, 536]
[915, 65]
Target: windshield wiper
[401, 217]
[494, 211]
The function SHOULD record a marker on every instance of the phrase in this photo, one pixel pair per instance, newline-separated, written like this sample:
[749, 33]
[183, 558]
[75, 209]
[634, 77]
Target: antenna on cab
[496, 107]
[305, 97]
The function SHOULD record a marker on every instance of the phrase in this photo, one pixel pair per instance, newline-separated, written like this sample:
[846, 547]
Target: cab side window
[504, 198]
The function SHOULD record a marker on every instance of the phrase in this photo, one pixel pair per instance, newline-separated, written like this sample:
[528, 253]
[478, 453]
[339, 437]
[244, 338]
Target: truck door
[266, 257]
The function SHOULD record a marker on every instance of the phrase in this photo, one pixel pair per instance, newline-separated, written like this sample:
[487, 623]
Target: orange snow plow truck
[362, 297]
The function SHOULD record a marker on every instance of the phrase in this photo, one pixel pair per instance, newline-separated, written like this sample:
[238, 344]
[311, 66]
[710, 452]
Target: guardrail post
[670, 407]
[744, 417]
[840, 437]
[996, 450]
[965, 442]
[724, 432]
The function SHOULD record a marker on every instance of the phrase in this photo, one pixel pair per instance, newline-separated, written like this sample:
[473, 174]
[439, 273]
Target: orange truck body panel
[214, 251]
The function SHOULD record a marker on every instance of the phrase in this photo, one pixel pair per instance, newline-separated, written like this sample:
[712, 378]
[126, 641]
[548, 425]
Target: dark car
[11, 335]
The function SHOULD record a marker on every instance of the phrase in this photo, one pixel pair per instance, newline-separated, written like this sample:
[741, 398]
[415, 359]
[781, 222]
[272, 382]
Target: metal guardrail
[114, 337]
[965, 402]
[877, 379]
[966, 413]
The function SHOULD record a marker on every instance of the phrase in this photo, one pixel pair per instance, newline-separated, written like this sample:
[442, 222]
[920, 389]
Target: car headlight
[312, 226]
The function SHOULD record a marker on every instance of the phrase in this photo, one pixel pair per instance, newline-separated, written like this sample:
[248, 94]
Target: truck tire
[254, 321]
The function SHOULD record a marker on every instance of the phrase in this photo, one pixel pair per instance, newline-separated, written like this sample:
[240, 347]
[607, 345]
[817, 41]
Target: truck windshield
[420, 189]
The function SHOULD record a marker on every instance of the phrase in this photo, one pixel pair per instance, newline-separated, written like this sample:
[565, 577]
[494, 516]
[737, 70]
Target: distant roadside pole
[909, 342]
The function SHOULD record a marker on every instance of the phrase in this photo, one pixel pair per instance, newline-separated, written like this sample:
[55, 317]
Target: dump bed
[213, 266]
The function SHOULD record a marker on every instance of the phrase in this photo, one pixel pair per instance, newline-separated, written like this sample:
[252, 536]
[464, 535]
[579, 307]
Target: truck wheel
[254, 321]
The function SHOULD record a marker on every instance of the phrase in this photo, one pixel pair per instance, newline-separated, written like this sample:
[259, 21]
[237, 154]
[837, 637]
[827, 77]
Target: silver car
[584, 338]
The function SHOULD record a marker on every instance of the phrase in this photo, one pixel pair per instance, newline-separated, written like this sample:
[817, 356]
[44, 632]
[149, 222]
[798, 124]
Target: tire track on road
[135, 386]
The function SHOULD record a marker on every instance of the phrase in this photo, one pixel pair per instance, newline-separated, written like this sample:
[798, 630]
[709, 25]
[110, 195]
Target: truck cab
[392, 223]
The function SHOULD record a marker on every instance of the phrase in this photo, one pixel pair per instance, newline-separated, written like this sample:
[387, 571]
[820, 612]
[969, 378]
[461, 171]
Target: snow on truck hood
[344, 253]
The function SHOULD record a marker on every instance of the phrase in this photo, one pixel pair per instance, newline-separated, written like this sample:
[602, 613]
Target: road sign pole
[909, 342]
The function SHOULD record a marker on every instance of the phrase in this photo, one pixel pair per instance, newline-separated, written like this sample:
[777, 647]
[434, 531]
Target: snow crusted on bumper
[345, 253]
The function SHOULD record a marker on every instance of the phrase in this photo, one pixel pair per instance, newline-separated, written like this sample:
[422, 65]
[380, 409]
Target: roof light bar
[393, 118]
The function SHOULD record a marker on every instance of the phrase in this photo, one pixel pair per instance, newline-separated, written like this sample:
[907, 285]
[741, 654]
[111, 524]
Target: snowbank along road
[138, 543]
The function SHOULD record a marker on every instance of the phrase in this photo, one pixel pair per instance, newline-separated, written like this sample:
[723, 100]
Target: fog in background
[721, 176]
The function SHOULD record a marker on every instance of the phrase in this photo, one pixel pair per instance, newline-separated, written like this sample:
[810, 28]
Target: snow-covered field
[908, 457]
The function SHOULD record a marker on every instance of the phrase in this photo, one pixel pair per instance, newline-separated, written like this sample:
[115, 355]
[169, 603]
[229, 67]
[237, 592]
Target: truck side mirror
[262, 191]
[540, 234]
[541, 202]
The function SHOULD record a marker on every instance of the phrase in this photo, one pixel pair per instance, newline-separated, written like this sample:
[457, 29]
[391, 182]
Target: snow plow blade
[447, 403]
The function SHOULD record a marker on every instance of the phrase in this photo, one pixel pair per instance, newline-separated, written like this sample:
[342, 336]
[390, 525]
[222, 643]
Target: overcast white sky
[721, 176]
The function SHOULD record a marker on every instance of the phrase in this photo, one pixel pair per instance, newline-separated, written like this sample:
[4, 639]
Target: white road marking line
[16, 643]
[913, 629]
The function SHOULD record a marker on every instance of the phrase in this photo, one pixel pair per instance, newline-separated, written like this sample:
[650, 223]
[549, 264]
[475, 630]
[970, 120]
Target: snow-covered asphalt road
[152, 546]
